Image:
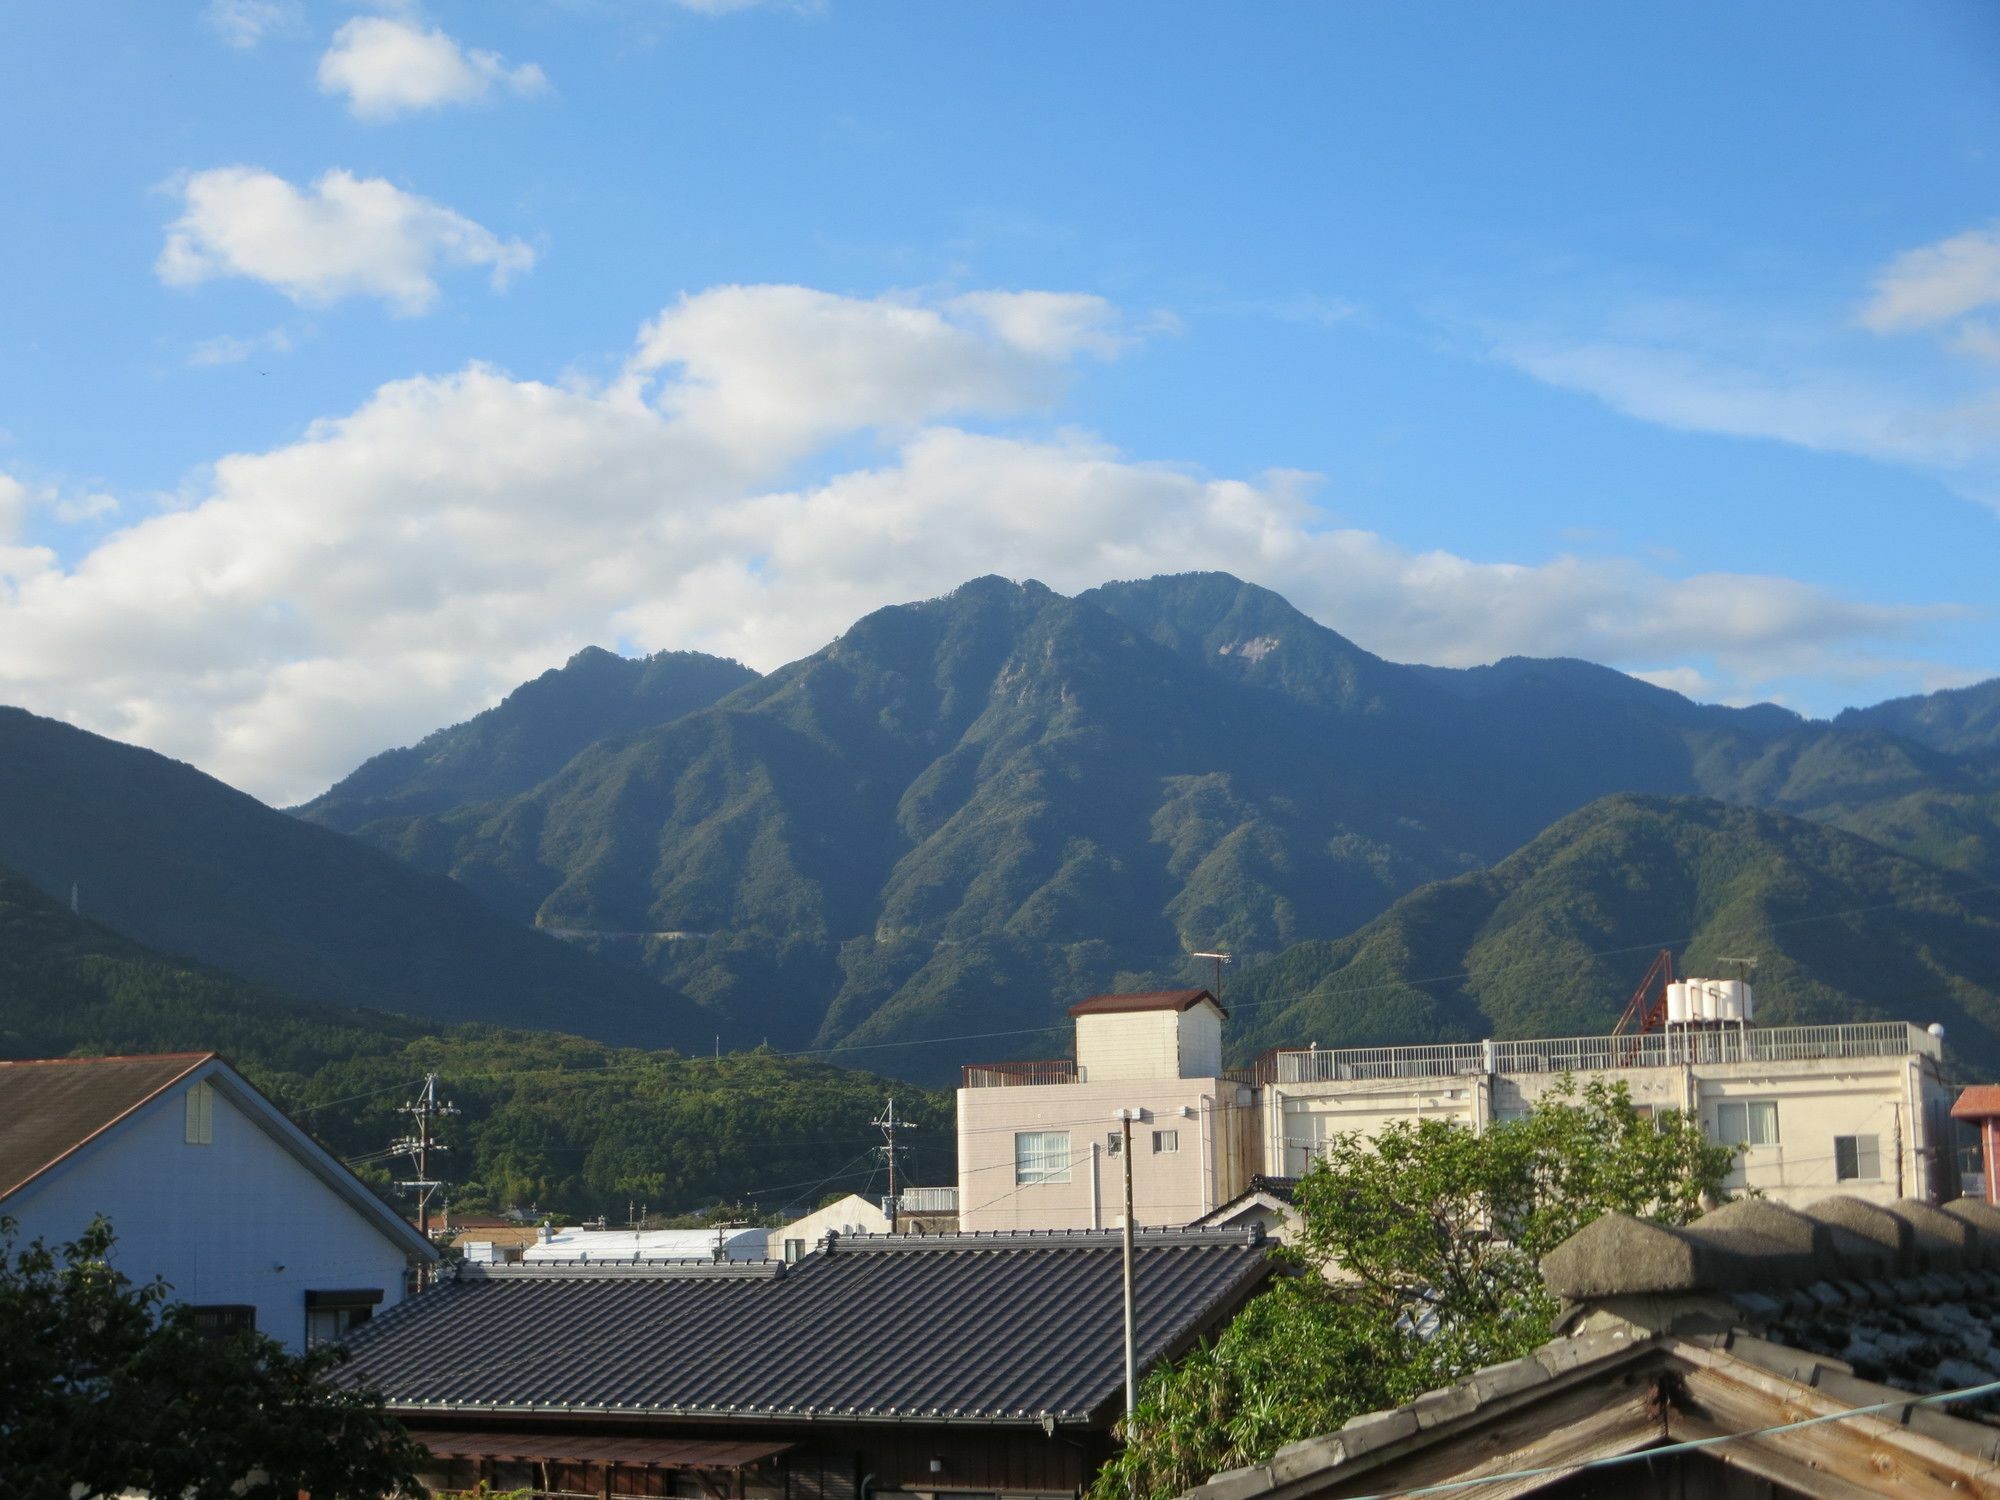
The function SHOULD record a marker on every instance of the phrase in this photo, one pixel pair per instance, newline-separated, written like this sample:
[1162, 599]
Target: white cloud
[1937, 283]
[1055, 325]
[388, 66]
[13, 507]
[401, 566]
[72, 510]
[346, 236]
[245, 23]
[227, 349]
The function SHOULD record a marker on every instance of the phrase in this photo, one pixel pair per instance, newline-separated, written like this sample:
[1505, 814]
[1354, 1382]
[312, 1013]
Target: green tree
[112, 1387]
[1436, 1235]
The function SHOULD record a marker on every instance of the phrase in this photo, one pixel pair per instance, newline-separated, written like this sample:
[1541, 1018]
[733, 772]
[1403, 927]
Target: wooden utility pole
[889, 1125]
[419, 1146]
[1131, 1332]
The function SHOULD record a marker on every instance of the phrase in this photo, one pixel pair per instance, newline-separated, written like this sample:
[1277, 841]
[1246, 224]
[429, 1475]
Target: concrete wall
[853, 1214]
[1128, 1045]
[1168, 1187]
[1899, 1100]
[239, 1222]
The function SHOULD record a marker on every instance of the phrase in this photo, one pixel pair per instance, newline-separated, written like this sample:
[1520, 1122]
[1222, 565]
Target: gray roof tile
[1007, 1328]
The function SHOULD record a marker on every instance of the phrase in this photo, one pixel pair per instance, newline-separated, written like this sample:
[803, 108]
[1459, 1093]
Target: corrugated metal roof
[49, 1107]
[1005, 1328]
[1106, 1005]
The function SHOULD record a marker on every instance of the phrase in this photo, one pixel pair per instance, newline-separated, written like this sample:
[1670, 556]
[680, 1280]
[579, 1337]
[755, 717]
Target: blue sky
[363, 360]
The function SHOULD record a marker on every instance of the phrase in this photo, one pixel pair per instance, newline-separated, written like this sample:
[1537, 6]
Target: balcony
[1014, 1075]
[926, 1200]
[1604, 1054]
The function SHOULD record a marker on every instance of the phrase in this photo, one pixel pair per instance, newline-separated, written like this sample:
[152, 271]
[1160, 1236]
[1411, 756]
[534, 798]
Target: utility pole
[1125, 1118]
[420, 1144]
[889, 1125]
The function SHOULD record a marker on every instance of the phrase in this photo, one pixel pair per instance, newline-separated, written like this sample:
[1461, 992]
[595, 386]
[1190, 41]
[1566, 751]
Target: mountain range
[965, 812]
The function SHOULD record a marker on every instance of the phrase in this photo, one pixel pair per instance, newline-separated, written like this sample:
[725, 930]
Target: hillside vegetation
[555, 1121]
[1551, 940]
[183, 864]
[967, 812]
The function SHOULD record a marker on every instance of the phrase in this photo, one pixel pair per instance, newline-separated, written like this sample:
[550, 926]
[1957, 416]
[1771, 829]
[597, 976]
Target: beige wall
[1900, 1101]
[1148, 1044]
[1215, 1134]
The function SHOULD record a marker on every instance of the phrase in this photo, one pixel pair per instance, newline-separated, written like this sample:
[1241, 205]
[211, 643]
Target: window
[795, 1251]
[1114, 1143]
[201, 1115]
[1041, 1156]
[220, 1322]
[1747, 1121]
[333, 1315]
[1166, 1142]
[1857, 1158]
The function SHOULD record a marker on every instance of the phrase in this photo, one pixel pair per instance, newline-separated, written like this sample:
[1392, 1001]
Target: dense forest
[546, 1120]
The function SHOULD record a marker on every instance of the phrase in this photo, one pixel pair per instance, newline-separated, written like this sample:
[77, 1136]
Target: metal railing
[927, 1200]
[1008, 1075]
[1603, 1054]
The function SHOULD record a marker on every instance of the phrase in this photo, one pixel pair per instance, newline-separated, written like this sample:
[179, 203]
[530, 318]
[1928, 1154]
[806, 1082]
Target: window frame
[1167, 1142]
[1756, 1114]
[198, 1121]
[1031, 1166]
[1870, 1158]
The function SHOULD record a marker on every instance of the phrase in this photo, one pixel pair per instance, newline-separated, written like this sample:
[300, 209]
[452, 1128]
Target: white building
[1859, 1109]
[207, 1185]
[852, 1214]
[1040, 1144]
[723, 1242]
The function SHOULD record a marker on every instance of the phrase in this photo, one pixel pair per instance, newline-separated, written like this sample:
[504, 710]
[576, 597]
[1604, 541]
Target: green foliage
[564, 1123]
[1006, 792]
[111, 1387]
[1436, 1234]
[1550, 940]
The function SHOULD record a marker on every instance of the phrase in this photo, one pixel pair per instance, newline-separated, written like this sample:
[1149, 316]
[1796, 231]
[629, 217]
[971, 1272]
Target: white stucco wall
[853, 1214]
[1167, 1187]
[237, 1222]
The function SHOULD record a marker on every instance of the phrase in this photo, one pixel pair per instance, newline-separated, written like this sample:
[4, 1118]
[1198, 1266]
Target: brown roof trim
[1138, 1000]
[194, 1061]
[1981, 1101]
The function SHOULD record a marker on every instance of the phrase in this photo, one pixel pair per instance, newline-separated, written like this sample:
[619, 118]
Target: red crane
[1647, 1010]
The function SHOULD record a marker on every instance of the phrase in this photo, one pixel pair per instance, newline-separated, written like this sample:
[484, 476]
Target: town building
[1040, 1143]
[893, 1364]
[1977, 1113]
[845, 1217]
[1861, 1109]
[585, 1245]
[207, 1185]
[1762, 1353]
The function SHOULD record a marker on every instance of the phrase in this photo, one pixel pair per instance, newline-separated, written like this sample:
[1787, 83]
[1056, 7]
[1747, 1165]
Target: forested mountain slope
[557, 1121]
[528, 736]
[1550, 941]
[966, 812]
[178, 861]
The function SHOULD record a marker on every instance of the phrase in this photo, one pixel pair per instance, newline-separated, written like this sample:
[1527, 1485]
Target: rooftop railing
[1603, 1054]
[927, 1200]
[1010, 1075]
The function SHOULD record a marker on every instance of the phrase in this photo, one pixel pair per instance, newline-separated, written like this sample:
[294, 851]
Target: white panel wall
[1128, 1044]
[237, 1222]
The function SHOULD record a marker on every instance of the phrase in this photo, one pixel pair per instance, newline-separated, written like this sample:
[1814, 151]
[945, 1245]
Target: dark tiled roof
[1007, 1327]
[49, 1108]
[1108, 1005]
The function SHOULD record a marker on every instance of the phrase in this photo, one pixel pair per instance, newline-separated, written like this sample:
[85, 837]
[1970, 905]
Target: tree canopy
[1433, 1236]
[114, 1387]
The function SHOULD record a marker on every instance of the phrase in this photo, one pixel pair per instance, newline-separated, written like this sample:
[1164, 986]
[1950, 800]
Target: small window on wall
[795, 1251]
[1857, 1158]
[1041, 1156]
[1751, 1122]
[1166, 1142]
[333, 1315]
[200, 1115]
[220, 1322]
